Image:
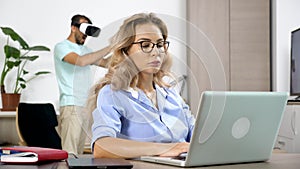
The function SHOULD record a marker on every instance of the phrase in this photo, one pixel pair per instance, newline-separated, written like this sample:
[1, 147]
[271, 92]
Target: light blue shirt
[131, 115]
[74, 81]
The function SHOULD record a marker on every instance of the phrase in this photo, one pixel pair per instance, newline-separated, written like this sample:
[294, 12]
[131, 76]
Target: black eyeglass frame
[154, 44]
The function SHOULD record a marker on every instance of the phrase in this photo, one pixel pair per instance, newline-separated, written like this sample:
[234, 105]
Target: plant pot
[10, 101]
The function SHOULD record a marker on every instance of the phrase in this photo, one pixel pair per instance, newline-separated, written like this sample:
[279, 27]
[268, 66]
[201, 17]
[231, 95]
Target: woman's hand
[109, 147]
[176, 150]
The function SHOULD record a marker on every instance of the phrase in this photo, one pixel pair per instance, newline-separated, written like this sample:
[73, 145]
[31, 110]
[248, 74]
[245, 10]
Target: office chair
[36, 124]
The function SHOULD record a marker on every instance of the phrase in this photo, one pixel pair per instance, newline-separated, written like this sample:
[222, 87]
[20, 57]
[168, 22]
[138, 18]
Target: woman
[137, 113]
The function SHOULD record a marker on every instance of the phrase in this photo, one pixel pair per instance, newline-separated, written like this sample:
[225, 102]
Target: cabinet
[289, 132]
[231, 35]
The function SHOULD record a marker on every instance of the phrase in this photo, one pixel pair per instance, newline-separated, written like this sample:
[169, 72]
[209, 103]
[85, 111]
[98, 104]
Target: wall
[286, 16]
[48, 22]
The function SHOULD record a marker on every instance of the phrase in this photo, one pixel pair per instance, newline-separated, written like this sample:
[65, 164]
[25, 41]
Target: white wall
[286, 18]
[48, 22]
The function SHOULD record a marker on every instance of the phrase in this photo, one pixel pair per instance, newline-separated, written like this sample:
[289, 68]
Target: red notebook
[31, 155]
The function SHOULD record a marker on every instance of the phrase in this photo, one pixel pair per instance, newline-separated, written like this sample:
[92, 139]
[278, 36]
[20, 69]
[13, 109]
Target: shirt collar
[161, 90]
[135, 93]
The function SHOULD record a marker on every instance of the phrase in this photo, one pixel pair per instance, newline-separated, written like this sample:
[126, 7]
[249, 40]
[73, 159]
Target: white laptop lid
[234, 127]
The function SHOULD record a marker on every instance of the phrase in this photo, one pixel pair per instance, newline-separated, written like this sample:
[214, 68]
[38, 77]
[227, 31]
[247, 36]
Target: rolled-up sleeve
[191, 124]
[106, 116]
[189, 117]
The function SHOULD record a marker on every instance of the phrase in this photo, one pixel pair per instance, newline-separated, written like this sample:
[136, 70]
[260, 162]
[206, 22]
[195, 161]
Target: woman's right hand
[109, 147]
[176, 150]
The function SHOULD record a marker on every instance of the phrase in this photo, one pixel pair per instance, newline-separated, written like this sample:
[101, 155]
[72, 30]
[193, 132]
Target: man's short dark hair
[75, 21]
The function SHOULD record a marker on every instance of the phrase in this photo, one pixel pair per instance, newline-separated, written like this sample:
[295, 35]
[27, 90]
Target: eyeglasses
[148, 46]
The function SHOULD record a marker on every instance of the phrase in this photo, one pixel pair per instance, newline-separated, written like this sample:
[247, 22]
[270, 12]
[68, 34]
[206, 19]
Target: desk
[288, 137]
[277, 161]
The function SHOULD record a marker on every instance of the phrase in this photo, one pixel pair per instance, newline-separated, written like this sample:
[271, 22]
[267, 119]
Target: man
[72, 65]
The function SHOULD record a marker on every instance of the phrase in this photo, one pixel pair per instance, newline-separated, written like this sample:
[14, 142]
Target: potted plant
[16, 58]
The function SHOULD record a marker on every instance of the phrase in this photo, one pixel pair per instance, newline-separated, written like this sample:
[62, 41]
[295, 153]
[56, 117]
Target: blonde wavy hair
[122, 72]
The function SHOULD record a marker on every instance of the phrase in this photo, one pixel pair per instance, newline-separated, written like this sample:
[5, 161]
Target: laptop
[232, 127]
[96, 163]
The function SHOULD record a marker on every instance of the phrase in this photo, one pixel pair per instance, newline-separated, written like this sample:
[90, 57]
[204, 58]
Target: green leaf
[42, 72]
[31, 58]
[17, 63]
[39, 48]
[25, 72]
[23, 86]
[22, 80]
[10, 64]
[11, 52]
[14, 36]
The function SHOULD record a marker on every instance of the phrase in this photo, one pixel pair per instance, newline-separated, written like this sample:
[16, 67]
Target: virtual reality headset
[89, 29]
